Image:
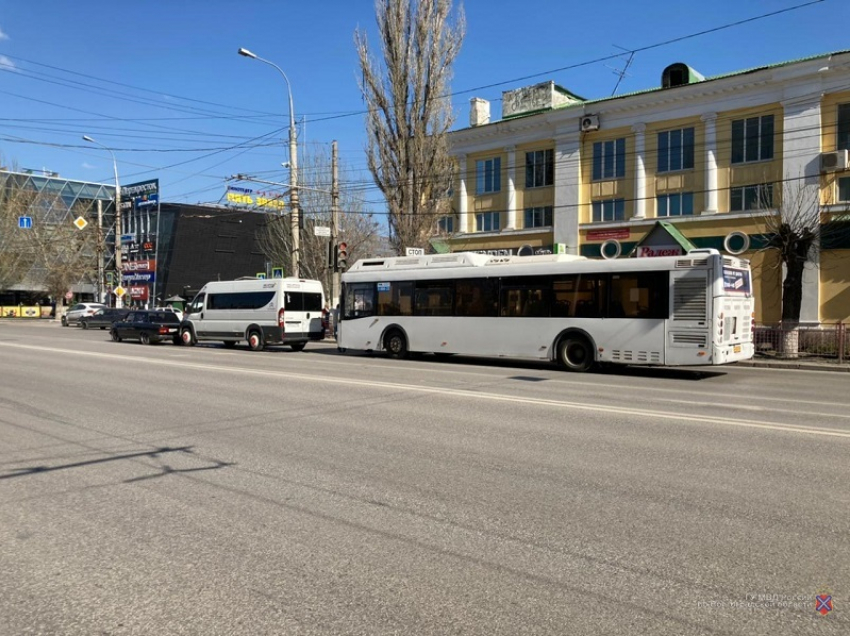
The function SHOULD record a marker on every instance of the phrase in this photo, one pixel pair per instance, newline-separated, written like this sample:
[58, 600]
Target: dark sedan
[103, 318]
[148, 327]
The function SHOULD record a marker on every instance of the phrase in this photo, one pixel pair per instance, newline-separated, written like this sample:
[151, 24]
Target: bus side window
[359, 300]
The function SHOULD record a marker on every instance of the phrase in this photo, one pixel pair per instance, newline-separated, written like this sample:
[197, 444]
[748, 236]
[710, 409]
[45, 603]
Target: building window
[609, 210]
[678, 204]
[609, 159]
[752, 139]
[753, 197]
[486, 221]
[843, 138]
[676, 150]
[538, 217]
[446, 224]
[488, 175]
[539, 168]
[844, 189]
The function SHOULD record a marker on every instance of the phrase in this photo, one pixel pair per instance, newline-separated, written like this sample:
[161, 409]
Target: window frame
[753, 139]
[542, 213]
[748, 193]
[602, 204]
[676, 157]
[842, 183]
[682, 198]
[480, 218]
[609, 159]
[540, 168]
[842, 127]
[488, 175]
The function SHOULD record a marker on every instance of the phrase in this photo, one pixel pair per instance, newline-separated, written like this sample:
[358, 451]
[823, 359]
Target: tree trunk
[789, 345]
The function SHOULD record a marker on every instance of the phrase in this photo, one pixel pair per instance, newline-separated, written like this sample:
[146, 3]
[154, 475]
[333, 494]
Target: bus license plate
[737, 349]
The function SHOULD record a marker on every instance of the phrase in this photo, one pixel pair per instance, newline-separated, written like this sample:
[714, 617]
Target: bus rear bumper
[725, 354]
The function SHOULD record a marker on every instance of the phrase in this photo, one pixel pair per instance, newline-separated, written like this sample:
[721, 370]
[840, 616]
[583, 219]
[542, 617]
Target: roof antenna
[622, 73]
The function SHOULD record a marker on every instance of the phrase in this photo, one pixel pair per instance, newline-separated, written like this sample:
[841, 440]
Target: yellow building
[710, 162]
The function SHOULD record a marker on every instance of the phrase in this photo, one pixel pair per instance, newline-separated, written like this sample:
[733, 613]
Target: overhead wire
[213, 114]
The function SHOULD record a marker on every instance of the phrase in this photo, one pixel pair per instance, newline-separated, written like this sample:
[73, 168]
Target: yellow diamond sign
[80, 222]
[120, 291]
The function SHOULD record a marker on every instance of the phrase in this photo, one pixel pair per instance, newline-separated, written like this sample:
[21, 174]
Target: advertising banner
[138, 277]
[139, 292]
[148, 265]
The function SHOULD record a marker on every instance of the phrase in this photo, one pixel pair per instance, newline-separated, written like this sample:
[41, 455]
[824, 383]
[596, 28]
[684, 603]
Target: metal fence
[826, 342]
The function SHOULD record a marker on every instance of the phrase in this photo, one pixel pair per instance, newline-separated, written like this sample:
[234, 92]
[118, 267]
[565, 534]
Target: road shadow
[670, 373]
[157, 454]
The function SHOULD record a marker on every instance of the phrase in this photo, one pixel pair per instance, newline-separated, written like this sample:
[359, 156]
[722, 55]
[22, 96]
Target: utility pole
[100, 249]
[119, 261]
[334, 223]
[293, 194]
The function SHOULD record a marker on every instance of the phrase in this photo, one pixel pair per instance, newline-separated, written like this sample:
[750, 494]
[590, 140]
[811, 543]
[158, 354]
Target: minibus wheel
[255, 340]
[187, 337]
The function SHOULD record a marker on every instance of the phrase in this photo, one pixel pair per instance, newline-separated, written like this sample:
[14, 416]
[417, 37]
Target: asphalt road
[172, 490]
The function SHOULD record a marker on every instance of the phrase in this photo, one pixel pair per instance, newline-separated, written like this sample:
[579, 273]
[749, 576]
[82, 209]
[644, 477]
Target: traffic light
[342, 256]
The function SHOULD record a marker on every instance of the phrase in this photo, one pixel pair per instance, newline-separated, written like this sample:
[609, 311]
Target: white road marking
[462, 393]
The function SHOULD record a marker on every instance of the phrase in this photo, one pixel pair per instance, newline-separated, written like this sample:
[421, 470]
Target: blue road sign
[25, 222]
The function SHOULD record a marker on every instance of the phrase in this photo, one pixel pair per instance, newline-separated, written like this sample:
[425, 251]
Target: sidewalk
[807, 363]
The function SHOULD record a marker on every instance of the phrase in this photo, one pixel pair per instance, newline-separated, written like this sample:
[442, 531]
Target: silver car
[73, 315]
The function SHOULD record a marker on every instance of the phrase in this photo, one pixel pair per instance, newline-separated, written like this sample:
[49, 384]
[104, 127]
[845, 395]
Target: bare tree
[356, 227]
[16, 256]
[798, 232]
[53, 254]
[409, 113]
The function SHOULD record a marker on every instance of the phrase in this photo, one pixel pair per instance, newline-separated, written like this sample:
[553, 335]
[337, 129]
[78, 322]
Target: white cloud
[88, 166]
[6, 64]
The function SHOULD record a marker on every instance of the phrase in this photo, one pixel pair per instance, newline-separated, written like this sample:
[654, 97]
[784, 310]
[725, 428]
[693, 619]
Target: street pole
[334, 223]
[295, 212]
[99, 251]
[118, 263]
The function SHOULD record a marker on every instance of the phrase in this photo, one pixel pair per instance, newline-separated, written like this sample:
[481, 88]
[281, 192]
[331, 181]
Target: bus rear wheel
[396, 344]
[575, 353]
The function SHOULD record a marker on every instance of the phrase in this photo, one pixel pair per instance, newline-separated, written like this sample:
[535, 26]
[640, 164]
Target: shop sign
[659, 250]
[139, 292]
[607, 235]
[139, 277]
[146, 265]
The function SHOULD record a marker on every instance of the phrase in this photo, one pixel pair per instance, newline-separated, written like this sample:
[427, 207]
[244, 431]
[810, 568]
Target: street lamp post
[293, 169]
[118, 263]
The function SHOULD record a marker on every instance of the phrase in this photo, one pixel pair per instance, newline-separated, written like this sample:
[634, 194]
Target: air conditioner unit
[834, 161]
[589, 122]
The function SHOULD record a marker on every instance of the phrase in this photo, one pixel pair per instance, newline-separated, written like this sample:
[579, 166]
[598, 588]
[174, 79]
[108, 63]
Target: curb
[797, 366]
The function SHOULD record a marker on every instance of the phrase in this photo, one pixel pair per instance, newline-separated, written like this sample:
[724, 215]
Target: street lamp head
[89, 139]
[247, 53]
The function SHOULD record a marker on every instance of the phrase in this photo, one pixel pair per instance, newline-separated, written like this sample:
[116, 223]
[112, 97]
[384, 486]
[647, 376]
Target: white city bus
[695, 309]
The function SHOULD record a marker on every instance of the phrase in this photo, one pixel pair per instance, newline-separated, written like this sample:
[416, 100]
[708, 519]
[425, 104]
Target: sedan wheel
[145, 338]
[115, 336]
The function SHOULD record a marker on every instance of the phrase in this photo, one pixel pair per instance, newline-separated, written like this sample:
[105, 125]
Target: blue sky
[160, 82]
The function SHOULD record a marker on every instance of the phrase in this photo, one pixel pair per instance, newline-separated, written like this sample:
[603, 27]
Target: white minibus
[261, 312]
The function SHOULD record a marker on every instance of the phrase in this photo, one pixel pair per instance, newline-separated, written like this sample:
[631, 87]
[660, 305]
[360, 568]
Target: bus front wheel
[575, 353]
[396, 344]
